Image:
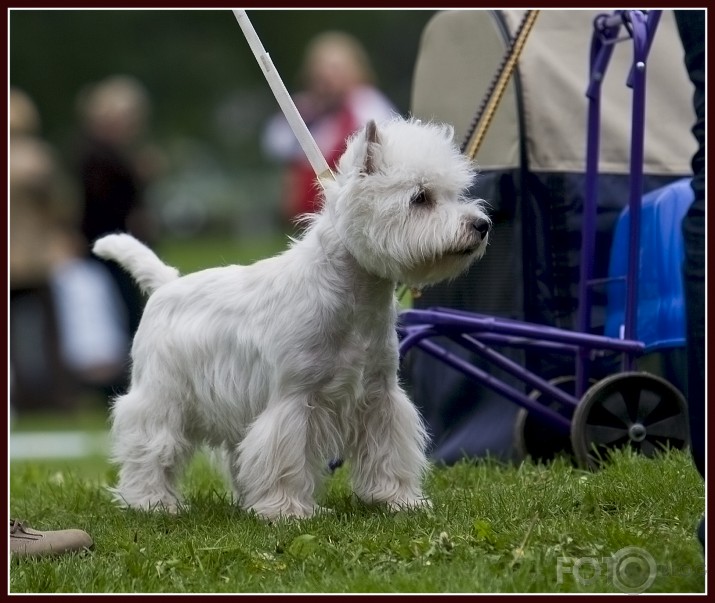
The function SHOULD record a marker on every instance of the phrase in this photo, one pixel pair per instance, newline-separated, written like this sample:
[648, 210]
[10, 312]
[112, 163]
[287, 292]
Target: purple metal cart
[574, 414]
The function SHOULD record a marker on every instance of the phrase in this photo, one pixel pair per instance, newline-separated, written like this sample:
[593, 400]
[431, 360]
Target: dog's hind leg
[274, 469]
[149, 444]
[387, 452]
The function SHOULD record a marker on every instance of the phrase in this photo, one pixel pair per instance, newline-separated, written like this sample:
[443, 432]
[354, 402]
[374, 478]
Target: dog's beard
[443, 265]
[413, 246]
[427, 260]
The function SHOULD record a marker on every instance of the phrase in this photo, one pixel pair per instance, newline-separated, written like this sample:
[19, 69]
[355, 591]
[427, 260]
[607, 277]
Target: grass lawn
[197, 253]
[493, 528]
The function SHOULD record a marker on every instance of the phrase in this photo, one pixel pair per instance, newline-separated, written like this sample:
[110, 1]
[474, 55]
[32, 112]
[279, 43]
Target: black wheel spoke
[648, 402]
[672, 427]
[619, 443]
[649, 449]
[668, 407]
[616, 406]
[632, 392]
[603, 435]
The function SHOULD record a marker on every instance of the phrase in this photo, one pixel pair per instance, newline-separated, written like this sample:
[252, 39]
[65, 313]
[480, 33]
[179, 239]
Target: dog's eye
[420, 198]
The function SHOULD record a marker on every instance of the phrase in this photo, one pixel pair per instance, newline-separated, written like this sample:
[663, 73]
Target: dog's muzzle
[477, 231]
[482, 227]
[480, 231]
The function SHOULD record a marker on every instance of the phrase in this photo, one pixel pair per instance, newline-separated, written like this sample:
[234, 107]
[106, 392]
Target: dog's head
[399, 203]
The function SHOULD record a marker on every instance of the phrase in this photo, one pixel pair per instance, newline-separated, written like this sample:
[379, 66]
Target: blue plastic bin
[660, 309]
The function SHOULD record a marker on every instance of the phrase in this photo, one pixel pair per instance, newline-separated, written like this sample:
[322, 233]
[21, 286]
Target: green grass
[91, 415]
[493, 528]
[197, 253]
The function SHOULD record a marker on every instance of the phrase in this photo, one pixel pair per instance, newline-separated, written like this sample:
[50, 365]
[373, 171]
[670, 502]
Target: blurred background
[160, 123]
[153, 121]
[209, 100]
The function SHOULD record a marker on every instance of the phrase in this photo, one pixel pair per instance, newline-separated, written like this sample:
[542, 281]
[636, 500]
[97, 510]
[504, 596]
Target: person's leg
[691, 26]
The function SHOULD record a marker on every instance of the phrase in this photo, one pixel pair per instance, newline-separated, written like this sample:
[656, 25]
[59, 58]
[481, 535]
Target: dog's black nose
[481, 226]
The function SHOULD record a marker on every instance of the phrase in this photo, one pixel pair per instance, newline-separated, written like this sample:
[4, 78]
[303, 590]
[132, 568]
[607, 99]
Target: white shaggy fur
[292, 361]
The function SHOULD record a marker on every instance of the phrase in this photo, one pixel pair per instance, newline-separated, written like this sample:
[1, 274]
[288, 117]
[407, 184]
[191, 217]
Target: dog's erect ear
[371, 140]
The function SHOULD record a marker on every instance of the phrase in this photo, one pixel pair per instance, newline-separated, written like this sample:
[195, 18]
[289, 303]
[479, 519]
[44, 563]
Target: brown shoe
[26, 542]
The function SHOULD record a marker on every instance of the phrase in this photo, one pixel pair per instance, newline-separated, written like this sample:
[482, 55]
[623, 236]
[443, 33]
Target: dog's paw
[162, 505]
[409, 504]
[292, 512]
[171, 507]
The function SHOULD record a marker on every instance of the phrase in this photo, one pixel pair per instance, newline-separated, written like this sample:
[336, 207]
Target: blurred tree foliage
[203, 79]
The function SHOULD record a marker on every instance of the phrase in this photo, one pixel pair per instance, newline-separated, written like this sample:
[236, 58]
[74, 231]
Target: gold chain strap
[475, 140]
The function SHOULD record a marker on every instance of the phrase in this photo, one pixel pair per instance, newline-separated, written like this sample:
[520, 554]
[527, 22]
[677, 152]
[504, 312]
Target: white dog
[292, 361]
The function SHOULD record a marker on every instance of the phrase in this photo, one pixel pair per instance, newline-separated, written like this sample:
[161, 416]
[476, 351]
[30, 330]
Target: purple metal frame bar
[415, 333]
[467, 329]
[523, 342]
[641, 30]
[560, 422]
[640, 48]
[515, 369]
[442, 321]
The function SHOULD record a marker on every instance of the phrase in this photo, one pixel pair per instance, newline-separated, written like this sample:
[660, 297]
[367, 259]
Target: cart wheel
[534, 437]
[638, 410]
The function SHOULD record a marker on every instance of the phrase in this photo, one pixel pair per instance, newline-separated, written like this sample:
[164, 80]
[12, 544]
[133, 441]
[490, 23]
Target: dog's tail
[137, 259]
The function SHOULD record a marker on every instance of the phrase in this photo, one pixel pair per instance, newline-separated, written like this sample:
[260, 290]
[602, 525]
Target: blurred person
[66, 327]
[115, 165]
[339, 97]
[691, 28]
[40, 237]
[24, 118]
[43, 237]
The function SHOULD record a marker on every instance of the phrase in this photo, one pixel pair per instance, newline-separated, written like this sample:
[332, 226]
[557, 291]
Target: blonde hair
[24, 116]
[113, 98]
[330, 42]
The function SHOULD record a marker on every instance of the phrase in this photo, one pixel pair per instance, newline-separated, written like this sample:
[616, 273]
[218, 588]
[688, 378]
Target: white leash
[307, 142]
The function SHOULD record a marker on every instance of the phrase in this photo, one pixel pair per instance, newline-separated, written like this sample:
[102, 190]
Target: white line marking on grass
[54, 444]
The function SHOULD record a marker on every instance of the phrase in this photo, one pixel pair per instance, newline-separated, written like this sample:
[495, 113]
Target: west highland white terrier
[292, 361]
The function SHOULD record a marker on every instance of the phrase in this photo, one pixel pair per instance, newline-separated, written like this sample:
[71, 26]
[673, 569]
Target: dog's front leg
[273, 470]
[388, 458]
